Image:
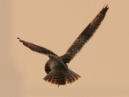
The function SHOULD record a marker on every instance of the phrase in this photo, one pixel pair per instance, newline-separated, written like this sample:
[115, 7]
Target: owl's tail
[61, 77]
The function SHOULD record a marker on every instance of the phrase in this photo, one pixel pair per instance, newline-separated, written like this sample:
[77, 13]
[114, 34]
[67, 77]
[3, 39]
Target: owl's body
[56, 67]
[58, 72]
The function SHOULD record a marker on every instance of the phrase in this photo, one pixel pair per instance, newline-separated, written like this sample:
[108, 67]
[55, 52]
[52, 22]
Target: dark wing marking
[84, 36]
[37, 48]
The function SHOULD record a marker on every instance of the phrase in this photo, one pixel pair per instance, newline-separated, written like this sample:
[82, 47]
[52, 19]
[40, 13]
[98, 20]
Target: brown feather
[61, 77]
[86, 34]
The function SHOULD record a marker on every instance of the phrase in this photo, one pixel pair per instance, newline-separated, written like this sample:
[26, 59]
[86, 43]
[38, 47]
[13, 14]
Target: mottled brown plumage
[56, 67]
[84, 36]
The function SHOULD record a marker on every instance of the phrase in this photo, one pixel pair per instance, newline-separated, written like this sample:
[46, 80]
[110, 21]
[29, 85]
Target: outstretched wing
[37, 48]
[84, 36]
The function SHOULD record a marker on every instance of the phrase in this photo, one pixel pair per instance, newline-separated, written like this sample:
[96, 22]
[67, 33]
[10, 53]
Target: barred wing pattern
[37, 48]
[84, 36]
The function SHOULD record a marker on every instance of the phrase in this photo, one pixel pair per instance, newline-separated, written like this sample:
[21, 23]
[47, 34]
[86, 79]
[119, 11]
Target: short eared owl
[56, 67]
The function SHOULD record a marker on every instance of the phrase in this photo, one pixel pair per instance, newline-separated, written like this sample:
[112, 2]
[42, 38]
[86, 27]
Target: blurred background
[102, 63]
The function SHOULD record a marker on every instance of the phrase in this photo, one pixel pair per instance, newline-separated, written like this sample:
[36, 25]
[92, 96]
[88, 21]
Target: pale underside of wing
[37, 48]
[84, 36]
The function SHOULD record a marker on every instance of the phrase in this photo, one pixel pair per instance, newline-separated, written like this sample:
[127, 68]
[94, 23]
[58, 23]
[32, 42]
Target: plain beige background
[102, 63]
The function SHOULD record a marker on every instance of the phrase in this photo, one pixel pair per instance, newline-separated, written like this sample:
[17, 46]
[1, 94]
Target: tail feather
[61, 77]
[72, 77]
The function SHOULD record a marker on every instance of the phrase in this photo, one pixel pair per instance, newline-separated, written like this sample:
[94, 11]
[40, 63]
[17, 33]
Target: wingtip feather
[19, 39]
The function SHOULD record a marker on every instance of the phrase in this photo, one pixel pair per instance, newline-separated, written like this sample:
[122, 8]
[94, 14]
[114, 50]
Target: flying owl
[56, 67]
